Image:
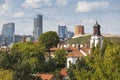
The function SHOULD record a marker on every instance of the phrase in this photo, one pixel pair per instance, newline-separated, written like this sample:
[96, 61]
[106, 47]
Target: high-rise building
[62, 32]
[96, 37]
[38, 27]
[79, 29]
[8, 32]
[70, 34]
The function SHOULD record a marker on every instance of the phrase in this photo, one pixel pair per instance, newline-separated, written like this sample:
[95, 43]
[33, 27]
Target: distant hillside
[86, 39]
[79, 40]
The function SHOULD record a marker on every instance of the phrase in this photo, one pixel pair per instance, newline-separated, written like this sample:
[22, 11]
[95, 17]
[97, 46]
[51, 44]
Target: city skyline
[61, 12]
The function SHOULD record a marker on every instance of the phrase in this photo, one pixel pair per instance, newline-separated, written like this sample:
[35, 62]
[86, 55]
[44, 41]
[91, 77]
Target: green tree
[101, 64]
[50, 66]
[71, 73]
[30, 59]
[6, 74]
[60, 58]
[57, 74]
[49, 39]
[6, 60]
[112, 61]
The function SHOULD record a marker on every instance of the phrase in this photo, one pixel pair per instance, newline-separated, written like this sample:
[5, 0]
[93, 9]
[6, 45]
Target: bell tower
[96, 37]
[96, 29]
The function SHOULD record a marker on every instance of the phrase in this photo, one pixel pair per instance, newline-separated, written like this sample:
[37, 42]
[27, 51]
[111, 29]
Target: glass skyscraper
[38, 27]
[8, 32]
[62, 32]
[70, 34]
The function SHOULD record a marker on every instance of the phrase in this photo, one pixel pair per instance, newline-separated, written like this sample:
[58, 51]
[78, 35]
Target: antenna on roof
[96, 20]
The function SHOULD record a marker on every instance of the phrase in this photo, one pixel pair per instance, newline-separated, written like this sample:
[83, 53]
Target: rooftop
[45, 76]
[75, 53]
[63, 72]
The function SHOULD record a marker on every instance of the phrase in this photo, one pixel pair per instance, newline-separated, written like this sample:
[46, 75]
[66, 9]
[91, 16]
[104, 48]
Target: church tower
[96, 37]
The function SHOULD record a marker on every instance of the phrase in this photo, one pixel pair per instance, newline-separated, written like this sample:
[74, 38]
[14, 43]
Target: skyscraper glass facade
[70, 34]
[38, 27]
[62, 32]
[8, 32]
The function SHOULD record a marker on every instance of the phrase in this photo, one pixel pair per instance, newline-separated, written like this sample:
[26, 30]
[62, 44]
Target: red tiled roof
[75, 53]
[72, 48]
[54, 49]
[63, 72]
[45, 76]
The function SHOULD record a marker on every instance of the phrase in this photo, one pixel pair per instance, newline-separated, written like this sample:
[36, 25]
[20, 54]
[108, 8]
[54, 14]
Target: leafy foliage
[30, 59]
[101, 64]
[60, 58]
[6, 74]
[49, 39]
[7, 61]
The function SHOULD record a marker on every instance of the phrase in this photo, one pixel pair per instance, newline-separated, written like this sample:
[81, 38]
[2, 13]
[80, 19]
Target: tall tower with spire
[96, 37]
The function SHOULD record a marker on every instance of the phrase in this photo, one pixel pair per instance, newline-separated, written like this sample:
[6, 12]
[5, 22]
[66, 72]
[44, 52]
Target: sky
[61, 12]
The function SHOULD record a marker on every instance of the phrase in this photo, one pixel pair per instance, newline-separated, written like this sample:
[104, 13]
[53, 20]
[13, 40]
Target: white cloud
[61, 3]
[3, 8]
[18, 14]
[36, 3]
[84, 6]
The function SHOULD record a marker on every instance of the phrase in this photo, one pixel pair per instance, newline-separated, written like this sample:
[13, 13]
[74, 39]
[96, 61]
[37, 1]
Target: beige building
[79, 29]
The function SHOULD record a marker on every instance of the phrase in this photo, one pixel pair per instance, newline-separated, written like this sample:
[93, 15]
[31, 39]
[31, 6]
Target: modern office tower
[70, 34]
[62, 32]
[8, 32]
[96, 37]
[79, 29]
[38, 27]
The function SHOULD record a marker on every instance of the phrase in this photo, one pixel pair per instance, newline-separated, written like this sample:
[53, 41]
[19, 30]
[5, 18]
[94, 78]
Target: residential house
[76, 53]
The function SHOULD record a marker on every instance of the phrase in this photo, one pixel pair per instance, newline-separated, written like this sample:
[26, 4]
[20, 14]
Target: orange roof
[63, 72]
[85, 49]
[54, 49]
[75, 53]
[35, 42]
[45, 76]
[72, 48]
